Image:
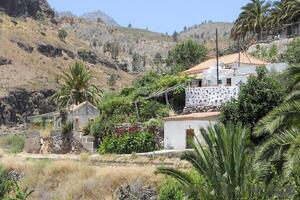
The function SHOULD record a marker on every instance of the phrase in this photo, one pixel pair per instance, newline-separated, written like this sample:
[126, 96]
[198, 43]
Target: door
[190, 136]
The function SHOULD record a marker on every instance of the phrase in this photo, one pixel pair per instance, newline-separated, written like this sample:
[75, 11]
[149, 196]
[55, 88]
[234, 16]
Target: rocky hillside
[206, 33]
[32, 55]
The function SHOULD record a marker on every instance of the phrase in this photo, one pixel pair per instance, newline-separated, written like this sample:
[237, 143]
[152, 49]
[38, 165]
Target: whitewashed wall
[210, 96]
[175, 132]
[84, 114]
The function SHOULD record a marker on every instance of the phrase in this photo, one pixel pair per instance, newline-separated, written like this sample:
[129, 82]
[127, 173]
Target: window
[200, 83]
[228, 81]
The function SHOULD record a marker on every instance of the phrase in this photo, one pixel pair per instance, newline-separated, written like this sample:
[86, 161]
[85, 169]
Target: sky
[158, 15]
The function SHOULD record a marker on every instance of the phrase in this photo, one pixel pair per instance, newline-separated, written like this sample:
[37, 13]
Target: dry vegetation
[34, 70]
[77, 180]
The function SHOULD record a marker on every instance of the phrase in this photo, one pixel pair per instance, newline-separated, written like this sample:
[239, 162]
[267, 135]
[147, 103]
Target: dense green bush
[268, 54]
[13, 143]
[128, 143]
[257, 97]
[5, 183]
[292, 54]
[62, 34]
[171, 189]
[187, 54]
[152, 109]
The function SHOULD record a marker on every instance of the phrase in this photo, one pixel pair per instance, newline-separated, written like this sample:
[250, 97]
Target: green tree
[62, 34]
[76, 87]
[252, 19]
[224, 161]
[256, 99]
[281, 129]
[187, 54]
[292, 54]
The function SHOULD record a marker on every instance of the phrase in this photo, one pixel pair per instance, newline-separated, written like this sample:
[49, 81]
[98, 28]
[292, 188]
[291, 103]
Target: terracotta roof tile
[228, 59]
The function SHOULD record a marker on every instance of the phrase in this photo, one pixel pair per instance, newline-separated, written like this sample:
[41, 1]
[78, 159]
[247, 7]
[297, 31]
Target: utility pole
[239, 50]
[217, 56]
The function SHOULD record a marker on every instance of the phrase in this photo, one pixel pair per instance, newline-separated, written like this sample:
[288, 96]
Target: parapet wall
[210, 96]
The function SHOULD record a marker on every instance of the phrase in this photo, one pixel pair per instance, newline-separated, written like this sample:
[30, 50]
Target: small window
[219, 82]
[228, 81]
[200, 83]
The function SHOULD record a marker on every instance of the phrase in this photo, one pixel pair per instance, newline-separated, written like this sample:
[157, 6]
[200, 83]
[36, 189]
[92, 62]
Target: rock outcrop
[19, 104]
[37, 9]
[5, 61]
[26, 47]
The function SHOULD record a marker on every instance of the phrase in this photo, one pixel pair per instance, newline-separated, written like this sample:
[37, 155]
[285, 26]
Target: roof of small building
[228, 59]
[192, 116]
[75, 107]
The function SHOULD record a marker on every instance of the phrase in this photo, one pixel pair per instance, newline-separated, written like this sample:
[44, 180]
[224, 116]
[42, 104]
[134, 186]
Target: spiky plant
[223, 160]
[76, 87]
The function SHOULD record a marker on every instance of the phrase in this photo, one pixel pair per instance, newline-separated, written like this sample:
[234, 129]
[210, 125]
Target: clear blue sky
[157, 15]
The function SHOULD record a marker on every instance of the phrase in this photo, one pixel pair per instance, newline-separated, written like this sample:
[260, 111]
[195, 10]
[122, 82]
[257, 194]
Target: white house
[234, 69]
[180, 130]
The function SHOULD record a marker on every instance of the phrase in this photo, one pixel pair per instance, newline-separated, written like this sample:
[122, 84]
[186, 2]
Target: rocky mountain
[206, 33]
[100, 16]
[37, 9]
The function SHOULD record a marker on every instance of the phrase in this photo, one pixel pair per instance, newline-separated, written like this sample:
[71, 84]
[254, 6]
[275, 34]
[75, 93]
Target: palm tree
[76, 87]
[252, 19]
[281, 128]
[223, 161]
[279, 13]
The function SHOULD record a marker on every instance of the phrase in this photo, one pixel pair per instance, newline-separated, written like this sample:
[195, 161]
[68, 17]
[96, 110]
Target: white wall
[175, 132]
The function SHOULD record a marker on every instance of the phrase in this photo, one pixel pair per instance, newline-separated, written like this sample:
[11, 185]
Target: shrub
[293, 51]
[128, 143]
[153, 109]
[171, 189]
[62, 34]
[13, 143]
[257, 97]
[5, 183]
[187, 54]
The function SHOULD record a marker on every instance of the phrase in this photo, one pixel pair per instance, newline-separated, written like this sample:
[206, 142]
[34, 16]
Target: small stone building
[82, 114]
[180, 131]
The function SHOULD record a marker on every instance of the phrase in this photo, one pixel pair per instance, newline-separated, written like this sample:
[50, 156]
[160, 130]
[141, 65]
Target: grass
[12, 143]
[66, 180]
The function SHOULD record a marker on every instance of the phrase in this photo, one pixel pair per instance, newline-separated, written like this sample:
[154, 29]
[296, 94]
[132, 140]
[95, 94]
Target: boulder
[26, 47]
[5, 61]
[37, 9]
[50, 51]
[136, 190]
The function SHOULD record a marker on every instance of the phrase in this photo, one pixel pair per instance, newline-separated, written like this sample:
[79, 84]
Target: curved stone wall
[210, 96]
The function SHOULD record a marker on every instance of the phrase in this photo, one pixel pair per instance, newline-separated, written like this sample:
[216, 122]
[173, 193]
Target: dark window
[228, 81]
[200, 83]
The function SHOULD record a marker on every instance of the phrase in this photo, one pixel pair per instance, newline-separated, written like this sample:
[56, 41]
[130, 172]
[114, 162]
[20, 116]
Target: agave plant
[223, 160]
[76, 87]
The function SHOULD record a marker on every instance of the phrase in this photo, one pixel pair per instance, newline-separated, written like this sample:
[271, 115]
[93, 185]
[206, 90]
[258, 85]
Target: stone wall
[209, 97]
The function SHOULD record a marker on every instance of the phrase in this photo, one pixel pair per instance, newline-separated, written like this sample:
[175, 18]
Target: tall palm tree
[279, 13]
[252, 19]
[281, 127]
[223, 161]
[76, 87]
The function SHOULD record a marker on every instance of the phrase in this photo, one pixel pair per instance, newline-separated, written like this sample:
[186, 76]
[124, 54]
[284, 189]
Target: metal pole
[239, 50]
[217, 56]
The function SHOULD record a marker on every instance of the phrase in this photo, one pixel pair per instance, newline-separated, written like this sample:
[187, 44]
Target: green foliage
[13, 143]
[292, 54]
[270, 55]
[5, 183]
[170, 189]
[154, 123]
[67, 128]
[76, 87]
[62, 34]
[152, 109]
[20, 194]
[187, 54]
[128, 143]
[223, 161]
[257, 98]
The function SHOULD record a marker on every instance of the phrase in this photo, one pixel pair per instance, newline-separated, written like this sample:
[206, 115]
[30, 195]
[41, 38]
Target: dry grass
[72, 180]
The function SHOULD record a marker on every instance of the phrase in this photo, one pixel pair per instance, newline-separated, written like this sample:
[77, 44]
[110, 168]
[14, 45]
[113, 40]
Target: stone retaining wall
[210, 96]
